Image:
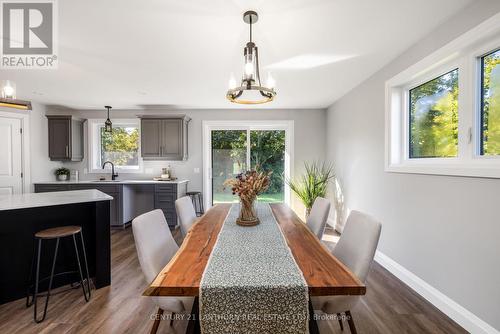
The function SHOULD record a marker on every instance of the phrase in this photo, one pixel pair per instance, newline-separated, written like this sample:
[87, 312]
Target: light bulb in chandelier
[271, 83]
[232, 82]
[249, 69]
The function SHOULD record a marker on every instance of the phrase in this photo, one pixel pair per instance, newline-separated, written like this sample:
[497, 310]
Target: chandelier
[251, 90]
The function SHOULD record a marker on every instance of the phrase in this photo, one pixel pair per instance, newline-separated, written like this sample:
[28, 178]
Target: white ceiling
[130, 53]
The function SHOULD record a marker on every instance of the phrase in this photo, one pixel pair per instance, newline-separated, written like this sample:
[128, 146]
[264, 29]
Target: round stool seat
[58, 232]
[191, 193]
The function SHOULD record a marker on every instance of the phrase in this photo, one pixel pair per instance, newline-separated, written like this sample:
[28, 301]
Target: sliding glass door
[234, 149]
[267, 152]
[229, 158]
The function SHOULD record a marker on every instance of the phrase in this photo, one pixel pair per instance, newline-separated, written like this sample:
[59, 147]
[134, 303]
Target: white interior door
[11, 181]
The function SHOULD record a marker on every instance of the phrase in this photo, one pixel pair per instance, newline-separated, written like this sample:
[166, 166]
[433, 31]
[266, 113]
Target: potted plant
[313, 184]
[248, 186]
[62, 174]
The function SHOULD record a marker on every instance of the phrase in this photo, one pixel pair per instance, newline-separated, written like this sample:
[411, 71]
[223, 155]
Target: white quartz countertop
[33, 200]
[113, 182]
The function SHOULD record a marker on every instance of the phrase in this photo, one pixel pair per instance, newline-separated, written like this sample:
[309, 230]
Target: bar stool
[50, 234]
[197, 200]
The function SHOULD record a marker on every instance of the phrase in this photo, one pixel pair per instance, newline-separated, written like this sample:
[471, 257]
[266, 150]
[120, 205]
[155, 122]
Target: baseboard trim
[452, 309]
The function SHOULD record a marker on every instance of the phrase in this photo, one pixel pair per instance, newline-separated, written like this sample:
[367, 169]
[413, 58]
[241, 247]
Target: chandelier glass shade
[251, 90]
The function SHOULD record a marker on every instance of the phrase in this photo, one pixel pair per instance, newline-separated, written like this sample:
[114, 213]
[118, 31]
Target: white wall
[309, 143]
[42, 168]
[445, 230]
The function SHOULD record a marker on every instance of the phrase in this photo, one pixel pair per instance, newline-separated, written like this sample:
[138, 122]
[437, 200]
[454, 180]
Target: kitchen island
[131, 197]
[21, 216]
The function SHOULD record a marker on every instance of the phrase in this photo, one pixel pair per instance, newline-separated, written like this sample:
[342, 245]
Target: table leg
[313, 325]
[194, 321]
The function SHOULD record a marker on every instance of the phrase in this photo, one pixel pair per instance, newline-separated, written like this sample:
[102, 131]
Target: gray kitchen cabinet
[151, 130]
[65, 138]
[164, 138]
[165, 197]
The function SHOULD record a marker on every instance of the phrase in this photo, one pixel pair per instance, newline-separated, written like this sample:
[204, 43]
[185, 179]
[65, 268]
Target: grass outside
[268, 198]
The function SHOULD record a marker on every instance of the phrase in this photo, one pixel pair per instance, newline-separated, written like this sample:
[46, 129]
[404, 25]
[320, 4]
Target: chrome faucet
[113, 175]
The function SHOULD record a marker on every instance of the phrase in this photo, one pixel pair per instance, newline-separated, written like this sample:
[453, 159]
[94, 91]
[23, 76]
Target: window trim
[463, 53]
[94, 146]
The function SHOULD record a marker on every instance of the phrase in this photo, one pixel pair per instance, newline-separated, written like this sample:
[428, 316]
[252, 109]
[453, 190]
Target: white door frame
[209, 126]
[24, 116]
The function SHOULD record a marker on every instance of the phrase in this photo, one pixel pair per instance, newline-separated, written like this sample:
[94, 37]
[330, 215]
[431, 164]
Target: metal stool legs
[200, 200]
[86, 294]
[37, 280]
[197, 200]
[34, 297]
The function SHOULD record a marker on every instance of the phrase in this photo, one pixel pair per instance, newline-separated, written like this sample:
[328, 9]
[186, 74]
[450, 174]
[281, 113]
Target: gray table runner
[252, 283]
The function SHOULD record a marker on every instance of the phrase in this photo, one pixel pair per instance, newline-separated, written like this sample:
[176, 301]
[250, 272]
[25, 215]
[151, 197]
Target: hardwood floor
[388, 307]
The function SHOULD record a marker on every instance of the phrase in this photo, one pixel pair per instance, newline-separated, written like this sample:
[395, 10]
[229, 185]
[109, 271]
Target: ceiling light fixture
[8, 90]
[108, 126]
[251, 90]
[8, 96]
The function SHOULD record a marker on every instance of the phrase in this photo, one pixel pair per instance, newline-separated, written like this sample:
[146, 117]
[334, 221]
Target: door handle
[67, 150]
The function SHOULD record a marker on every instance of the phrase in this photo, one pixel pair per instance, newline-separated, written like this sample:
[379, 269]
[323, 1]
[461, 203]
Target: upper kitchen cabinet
[164, 138]
[65, 138]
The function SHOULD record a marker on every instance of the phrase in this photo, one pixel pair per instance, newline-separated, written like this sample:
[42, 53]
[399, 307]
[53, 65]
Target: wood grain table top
[324, 274]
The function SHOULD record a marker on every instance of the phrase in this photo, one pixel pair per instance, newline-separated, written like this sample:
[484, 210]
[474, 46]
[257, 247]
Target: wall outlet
[197, 170]
[148, 170]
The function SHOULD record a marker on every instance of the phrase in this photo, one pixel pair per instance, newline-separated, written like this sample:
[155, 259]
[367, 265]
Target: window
[433, 117]
[121, 146]
[490, 104]
[443, 113]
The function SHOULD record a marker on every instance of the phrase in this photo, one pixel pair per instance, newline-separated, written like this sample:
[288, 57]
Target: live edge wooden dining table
[324, 274]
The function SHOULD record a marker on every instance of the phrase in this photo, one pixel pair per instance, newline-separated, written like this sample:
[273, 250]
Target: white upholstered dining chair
[186, 212]
[155, 247]
[318, 216]
[356, 249]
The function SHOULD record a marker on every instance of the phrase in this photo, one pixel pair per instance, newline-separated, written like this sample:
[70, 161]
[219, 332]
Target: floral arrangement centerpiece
[248, 186]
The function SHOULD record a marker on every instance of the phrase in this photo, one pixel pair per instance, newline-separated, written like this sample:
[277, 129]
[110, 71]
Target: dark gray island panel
[113, 190]
[21, 220]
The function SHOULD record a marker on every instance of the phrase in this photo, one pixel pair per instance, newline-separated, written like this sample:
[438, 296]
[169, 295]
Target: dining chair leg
[172, 319]
[339, 318]
[154, 329]
[350, 321]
